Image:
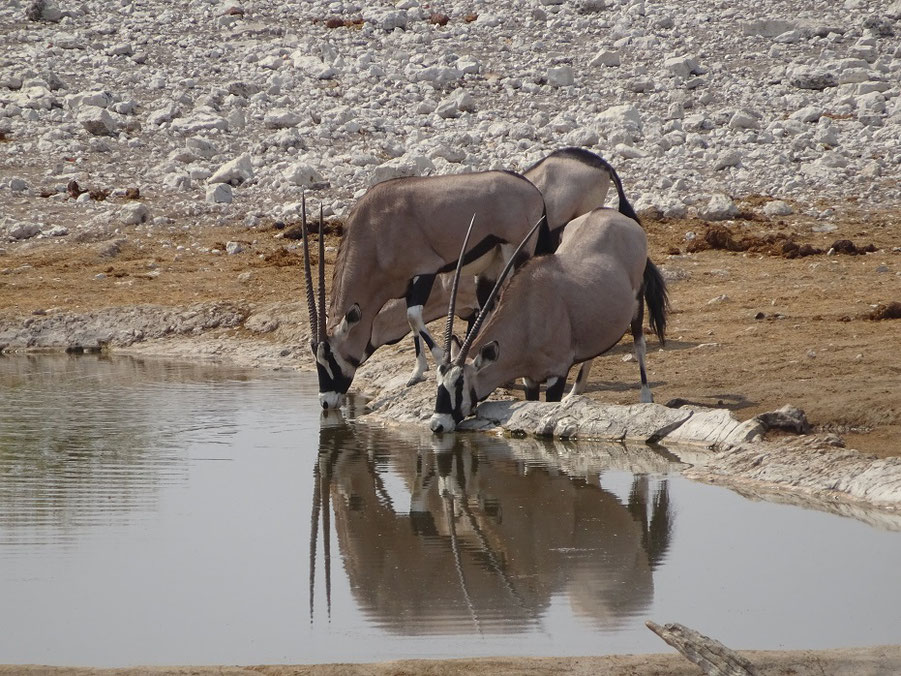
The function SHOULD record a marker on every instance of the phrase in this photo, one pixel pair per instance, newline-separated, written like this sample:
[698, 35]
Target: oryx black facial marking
[331, 376]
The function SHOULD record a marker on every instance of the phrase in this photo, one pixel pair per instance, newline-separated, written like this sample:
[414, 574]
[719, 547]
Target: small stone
[232, 248]
[219, 193]
[605, 58]
[44, 10]
[22, 230]
[777, 208]
[807, 114]
[302, 174]
[133, 214]
[561, 76]
[235, 172]
[280, 118]
[97, 121]
[719, 208]
[683, 66]
[731, 158]
[807, 78]
[743, 119]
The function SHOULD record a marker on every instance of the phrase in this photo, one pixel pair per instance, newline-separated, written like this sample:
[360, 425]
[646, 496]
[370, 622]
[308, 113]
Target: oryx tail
[657, 298]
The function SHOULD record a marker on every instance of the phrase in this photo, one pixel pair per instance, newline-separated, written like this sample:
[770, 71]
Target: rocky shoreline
[810, 469]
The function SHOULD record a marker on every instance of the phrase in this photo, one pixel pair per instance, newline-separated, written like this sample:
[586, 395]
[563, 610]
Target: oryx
[398, 237]
[558, 310]
[573, 181]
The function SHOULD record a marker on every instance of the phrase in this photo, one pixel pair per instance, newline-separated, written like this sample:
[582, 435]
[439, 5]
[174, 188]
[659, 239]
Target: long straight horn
[449, 327]
[464, 349]
[308, 275]
[321, 333]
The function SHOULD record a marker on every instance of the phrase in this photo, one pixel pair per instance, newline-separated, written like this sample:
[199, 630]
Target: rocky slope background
[230, 109]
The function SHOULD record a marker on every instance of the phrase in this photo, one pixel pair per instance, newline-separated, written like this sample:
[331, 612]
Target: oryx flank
[558, 310]
[573, 181]
[398, 237]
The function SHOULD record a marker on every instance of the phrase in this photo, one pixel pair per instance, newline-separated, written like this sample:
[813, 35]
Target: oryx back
[413, 226]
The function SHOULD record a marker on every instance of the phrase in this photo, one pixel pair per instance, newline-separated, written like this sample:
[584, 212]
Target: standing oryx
[399, 236]
[573, 181]
[558, 310]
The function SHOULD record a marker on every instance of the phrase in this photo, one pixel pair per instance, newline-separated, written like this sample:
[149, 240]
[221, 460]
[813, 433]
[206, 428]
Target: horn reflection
[481, 536]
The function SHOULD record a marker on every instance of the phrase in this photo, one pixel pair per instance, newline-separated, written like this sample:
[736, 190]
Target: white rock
[165, 114]
[605, 58]
[97, 121]
[807, 114]
[134, 214]
[279, 118]
[629, 152]
[767, 28]
[744, 119]
[235, 172]
[233, 248]
[561, 76]
[719, 208]
[302, 174]
[219, 193]
[729, 158]
[620, 116]
[201, 147]
[683, 66]
[777, 208]
[22, 230]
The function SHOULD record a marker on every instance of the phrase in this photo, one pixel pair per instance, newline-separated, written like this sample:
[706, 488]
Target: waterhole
[161, 513]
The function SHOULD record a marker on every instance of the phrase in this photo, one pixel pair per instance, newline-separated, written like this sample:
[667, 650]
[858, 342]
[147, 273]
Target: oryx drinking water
[573, 181]
[558, 310]
[398, 237]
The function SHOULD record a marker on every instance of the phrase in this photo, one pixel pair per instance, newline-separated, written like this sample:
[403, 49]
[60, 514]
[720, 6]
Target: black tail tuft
[657, 298]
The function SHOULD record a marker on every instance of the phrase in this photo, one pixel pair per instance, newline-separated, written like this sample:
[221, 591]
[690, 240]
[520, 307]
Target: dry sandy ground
[877, 661]
[750, 330]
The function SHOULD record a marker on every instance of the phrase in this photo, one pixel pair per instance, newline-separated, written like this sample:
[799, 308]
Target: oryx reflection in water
[473, 534]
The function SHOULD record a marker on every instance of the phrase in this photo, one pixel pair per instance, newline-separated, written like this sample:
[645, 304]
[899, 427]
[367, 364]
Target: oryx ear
[351, 317]
[455, 347]
[487, 355]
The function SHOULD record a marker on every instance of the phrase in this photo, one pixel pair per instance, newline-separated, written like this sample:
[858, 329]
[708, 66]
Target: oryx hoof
[415, 379]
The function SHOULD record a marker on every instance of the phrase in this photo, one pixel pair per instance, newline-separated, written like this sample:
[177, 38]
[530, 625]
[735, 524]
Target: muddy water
[157, 513]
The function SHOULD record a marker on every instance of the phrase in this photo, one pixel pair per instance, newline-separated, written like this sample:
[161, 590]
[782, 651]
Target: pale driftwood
[709, 654]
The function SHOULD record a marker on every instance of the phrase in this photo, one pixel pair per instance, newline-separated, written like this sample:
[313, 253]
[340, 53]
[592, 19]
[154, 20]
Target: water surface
[159, 513]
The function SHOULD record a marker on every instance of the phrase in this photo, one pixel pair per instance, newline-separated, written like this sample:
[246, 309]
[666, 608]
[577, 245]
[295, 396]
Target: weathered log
[709, 654]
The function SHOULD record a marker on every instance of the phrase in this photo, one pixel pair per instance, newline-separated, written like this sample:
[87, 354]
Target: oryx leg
[554, 388]
[640, 350]
[582, 379]
[532, 389]
[417, 295]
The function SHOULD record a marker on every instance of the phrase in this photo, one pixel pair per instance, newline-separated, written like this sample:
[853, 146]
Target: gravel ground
[228, 110]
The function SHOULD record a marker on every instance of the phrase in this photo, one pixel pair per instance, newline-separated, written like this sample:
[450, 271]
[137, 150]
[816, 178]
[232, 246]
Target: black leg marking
[555, 392]
[428, 340]
[532, 393]
[417, 345]
[419, 289]
[483, 290]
